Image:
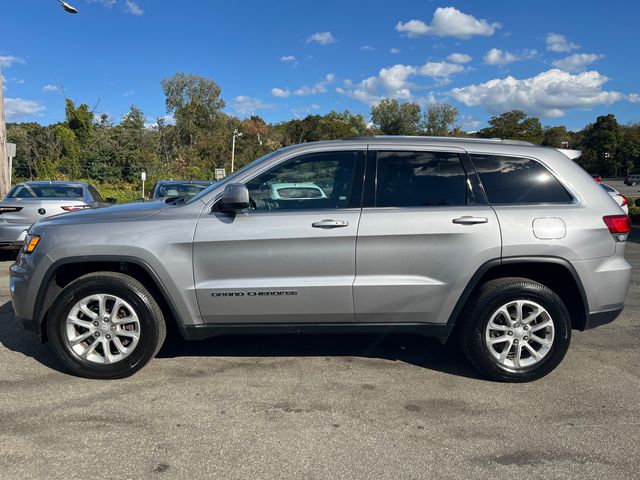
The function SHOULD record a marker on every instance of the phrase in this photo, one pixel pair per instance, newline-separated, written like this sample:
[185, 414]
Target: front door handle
[330, 224]
[469, 220]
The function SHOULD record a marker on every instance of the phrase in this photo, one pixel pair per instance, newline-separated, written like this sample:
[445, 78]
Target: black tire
[633, 184]
[152, 325]
[491, 296]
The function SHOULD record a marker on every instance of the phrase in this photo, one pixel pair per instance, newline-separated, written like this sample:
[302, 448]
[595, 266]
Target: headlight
[30, 243]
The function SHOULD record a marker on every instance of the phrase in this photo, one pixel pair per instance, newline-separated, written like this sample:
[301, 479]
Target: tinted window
[511, 180]
[420, 179]
[318, 180]
[178, 189]
[94, 193]
[45, 191]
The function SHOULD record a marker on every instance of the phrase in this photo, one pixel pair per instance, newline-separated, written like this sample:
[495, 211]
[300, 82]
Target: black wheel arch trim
[485, 267]
[39, 310]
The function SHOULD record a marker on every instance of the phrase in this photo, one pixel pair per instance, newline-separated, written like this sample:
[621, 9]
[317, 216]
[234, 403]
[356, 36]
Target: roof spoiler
[570, 154]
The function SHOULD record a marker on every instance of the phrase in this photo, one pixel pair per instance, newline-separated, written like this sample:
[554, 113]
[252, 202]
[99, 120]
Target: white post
[143, 177]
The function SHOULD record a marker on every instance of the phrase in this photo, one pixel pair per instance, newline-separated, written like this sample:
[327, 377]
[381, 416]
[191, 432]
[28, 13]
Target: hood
[114, 213]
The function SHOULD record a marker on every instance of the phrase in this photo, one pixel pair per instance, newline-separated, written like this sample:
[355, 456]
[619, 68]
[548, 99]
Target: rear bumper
[11, 235]
[602, 318]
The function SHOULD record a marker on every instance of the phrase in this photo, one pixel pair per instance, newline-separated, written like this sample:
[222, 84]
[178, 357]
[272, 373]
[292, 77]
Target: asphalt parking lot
[323, 407]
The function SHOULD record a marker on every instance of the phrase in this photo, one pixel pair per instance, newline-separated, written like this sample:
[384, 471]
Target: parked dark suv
[632, 180]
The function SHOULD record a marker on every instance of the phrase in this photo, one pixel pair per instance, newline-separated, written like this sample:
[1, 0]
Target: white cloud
[245, 105]
[304, 111]
[106, 3]
[288, 58]
[633, 98]
[9, 60]
[367, 47]
[318, 87]
[133, 8]
[16, 108]
[396, 82]
[448, 22]
[128, 93]
[495, 56]
[279, 92]
[323, 38]
[559, 43]
[440, 70]
[469, 123]
[394, 51]
[547, 94]
[459, 58]
[576, 62]
[50, 88]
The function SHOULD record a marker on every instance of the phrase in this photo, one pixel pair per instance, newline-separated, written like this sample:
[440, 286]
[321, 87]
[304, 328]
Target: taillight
[75, 208]
[618, 225]
[9, 209]
[625, 200]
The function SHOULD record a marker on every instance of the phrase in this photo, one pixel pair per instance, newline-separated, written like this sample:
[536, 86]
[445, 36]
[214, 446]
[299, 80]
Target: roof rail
[441, 139]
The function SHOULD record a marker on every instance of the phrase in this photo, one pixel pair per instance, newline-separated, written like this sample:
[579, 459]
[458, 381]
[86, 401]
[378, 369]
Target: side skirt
[200, 332]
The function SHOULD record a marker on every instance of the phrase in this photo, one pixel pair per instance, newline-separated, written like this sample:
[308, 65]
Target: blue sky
[565, 61]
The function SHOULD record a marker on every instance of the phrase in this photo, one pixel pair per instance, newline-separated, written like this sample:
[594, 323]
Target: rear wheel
[634, 183]
[517, 330]
[105, 325]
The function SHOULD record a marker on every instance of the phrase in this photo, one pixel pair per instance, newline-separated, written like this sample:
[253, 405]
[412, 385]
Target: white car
[617, 196]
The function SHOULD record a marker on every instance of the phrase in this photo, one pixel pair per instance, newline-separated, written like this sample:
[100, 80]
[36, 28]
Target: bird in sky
[68, 7]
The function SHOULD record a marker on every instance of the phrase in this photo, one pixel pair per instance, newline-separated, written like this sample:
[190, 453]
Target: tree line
[198, 140]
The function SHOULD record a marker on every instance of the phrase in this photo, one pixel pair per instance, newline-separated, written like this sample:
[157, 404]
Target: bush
[634, 213]
[122, 192]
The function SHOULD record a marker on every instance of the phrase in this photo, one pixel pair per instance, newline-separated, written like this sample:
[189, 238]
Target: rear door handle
[469, 220]
[330, 224]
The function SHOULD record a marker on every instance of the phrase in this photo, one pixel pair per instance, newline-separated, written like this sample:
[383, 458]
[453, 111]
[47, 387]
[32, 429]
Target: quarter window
[326, 180]
[420, 179]
[512, 180]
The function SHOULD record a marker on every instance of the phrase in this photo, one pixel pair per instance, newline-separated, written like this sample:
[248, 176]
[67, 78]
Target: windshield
[46, 191]
[237, 173]
[179, 189]
[607, 188]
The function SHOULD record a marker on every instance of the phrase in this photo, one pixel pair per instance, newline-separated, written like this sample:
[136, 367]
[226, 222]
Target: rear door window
[515, 181]
[420, 179]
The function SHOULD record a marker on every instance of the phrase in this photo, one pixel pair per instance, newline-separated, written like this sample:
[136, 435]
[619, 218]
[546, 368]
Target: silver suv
[504, 245]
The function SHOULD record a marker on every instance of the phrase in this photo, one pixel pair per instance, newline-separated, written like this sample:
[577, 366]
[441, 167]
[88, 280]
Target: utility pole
[233, 149]
[5, 175]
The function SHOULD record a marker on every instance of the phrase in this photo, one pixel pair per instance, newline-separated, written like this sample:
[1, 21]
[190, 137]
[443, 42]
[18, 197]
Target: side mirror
[235, 197]
[110, 200]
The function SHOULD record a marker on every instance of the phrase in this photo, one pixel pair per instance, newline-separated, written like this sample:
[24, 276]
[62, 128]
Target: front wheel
[634, 183]
[518, 330]
[105, 325]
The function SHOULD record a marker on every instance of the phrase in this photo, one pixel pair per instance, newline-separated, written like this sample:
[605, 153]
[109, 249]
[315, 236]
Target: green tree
[514, 125]
[133, 120]
[556, 137]
[629, 148]
[439, 120]
[194, 102]
[600, 144]
[80, 121]
[392, 118]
